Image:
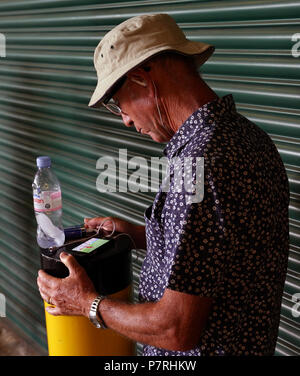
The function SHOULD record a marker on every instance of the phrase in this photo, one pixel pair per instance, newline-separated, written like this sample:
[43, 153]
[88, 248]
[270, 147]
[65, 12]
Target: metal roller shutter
[46, 80]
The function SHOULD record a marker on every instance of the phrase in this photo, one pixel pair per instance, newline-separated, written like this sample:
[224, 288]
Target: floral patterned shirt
[231, 244]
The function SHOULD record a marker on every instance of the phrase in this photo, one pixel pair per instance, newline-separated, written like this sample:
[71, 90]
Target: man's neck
[187, 99]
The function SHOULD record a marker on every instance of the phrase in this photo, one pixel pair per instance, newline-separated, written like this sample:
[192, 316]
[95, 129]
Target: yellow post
[77, 336]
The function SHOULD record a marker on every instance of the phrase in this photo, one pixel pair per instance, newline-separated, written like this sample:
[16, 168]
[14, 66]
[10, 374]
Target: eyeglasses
[113, 108]
[109, 104]
[116, 110]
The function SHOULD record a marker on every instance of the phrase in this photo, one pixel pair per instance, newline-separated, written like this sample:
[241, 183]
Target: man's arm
[173, 323]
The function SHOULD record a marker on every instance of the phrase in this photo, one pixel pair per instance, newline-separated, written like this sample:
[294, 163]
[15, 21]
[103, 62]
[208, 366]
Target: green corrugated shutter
[46, 81]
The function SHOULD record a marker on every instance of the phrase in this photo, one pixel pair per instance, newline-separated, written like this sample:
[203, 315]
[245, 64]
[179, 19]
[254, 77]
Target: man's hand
[72, 295]
[135, 231]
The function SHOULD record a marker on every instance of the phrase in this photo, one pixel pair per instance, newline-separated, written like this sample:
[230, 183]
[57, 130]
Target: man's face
[139, 109]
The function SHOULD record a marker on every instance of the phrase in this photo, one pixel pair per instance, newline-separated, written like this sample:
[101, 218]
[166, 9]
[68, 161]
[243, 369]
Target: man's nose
[127, 120]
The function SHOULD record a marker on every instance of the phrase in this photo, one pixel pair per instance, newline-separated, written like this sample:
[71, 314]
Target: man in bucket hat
[213, 276]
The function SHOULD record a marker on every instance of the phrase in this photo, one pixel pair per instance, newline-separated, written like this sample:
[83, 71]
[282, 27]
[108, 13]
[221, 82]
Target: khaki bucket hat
[133, 42]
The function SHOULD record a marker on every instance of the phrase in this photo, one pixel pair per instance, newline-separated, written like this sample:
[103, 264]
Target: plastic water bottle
[47, 204]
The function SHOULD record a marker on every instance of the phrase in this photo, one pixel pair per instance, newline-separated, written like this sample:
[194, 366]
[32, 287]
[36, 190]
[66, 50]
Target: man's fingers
[54, 311]
[44, 295]
[95, 222]
[45, 279]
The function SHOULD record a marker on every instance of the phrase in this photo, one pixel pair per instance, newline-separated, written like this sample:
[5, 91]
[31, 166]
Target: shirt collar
[199, 119]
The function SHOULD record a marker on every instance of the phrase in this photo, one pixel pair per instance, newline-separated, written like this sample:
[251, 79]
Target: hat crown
[132, 38]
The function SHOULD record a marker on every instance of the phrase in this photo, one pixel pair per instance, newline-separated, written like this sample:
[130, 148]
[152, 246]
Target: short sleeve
[194, 241]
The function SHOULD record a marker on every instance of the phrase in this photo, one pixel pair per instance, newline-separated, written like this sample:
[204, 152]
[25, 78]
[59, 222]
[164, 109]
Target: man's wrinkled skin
[69, 296]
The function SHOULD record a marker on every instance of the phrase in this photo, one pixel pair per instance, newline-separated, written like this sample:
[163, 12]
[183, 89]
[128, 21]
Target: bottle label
[47, 201]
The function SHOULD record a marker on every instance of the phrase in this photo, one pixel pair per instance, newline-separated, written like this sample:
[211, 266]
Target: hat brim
[201, 51]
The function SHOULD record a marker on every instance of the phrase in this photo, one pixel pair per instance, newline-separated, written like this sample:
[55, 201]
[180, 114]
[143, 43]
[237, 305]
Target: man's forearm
[139, 236]
[139, 322]
[175, 322]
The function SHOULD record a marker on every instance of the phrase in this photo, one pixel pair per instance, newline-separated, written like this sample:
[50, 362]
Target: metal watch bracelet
[94, 315]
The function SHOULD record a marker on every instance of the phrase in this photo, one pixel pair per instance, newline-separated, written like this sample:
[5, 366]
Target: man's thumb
[70, 262]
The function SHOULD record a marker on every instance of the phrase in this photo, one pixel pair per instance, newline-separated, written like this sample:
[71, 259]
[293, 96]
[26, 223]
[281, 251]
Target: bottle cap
[43, 161]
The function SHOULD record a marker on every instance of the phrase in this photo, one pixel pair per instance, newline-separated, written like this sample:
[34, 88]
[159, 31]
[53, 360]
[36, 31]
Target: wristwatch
[94, 315]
